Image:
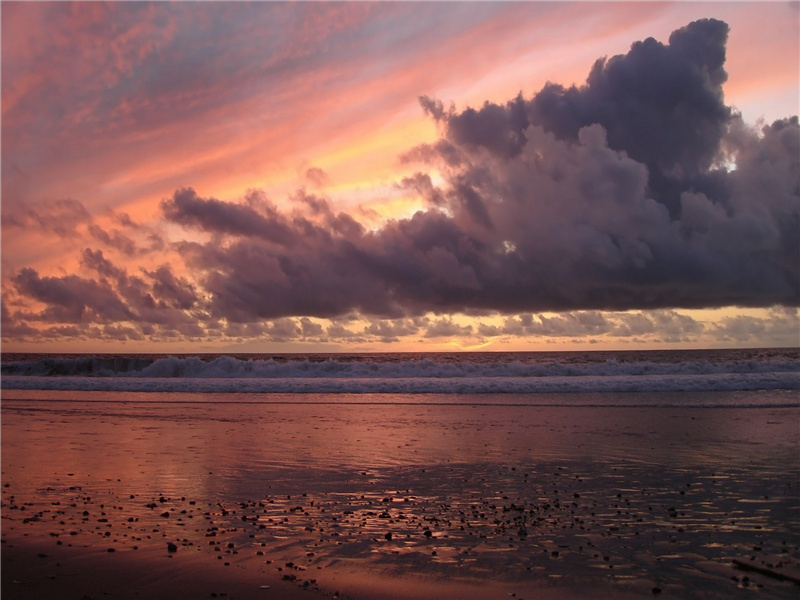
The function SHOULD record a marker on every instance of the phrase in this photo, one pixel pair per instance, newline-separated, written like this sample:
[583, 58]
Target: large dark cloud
[660, 104]
[615, 195]
[72, 298]
[608, 196]
[209, 214]
[160, 303]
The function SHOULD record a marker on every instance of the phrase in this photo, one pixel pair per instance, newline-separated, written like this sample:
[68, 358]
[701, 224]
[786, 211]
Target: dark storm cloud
[11, 326]
[161, 298]
[421, 184]
[159, 303]
[95, 260]
[660, 104]
[176, 291]
[71, 298]
[212, 215]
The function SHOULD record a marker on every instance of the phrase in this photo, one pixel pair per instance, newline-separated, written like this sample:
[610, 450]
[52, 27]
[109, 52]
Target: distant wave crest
[418, 375]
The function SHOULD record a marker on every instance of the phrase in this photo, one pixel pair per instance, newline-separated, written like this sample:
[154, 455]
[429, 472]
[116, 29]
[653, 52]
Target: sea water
[618, 471]
[508, 373]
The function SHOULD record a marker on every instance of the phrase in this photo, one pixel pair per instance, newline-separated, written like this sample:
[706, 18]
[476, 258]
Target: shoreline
[415, 503]
[35, 570]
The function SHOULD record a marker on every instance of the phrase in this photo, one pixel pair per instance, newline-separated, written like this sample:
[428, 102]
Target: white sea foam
[422, 374]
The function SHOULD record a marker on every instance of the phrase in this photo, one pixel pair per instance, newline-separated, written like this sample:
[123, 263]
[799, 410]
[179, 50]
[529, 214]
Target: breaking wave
[415, 374]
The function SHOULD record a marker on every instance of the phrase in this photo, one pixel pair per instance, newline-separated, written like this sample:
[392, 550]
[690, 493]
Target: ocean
[414, 475]
[530, 377]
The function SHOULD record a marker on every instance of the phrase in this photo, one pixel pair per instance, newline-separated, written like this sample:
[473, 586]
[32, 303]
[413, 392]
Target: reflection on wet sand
[497, 500]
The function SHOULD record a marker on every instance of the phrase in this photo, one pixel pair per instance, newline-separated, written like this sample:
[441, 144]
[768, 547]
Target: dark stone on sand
[388, 536]
[165, 514]
[656, 591]
[171, 547]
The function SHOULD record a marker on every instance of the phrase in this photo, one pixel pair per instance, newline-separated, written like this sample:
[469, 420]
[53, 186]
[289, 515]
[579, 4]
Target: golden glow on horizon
[706, 329]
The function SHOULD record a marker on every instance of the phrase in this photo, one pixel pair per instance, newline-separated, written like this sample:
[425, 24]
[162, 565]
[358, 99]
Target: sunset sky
[351, 176]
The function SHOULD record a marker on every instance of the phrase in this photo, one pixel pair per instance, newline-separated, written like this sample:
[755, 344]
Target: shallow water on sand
[509, 498]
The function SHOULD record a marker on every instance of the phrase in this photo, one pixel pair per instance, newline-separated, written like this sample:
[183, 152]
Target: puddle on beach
[514, 498]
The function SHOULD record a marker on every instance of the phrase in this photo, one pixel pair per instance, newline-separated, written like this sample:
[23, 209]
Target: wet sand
[370, 500]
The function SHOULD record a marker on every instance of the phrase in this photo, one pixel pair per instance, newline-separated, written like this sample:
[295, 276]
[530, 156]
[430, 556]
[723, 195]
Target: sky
[399, 176]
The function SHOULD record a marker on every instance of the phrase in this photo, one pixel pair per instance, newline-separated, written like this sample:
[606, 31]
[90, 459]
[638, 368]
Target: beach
[126, 495]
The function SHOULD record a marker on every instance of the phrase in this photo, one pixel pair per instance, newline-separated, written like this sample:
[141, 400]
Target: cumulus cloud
[174, 291]
[618, 195]
[670, 325]
[209, 214]
[71, 298]
[608, 196]
[446, 328]
[781, 324]
[120, 303]
[391, 330]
